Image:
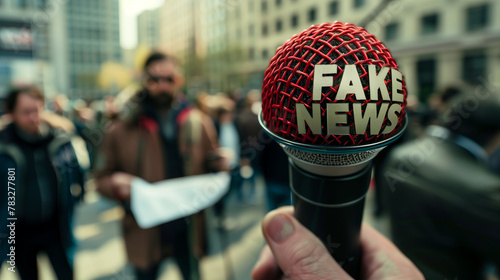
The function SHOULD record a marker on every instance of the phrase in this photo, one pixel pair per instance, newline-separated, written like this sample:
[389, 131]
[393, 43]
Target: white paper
[165, 201]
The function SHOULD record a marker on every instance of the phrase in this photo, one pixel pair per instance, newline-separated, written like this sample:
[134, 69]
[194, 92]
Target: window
[312, 14]
[359, 3]
[391, 31]
[426, 77]
[264, 29]
[477, 17]
[279, 25]
[333, 8]
[474, 67]
[251, 53]
[265, 54]
[73, 56]
[430, 24]
[250, 30]
[295, 20]
[264, 6]
[250, 5]
[278, 3]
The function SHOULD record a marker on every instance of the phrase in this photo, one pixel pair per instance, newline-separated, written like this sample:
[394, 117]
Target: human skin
[293, 252]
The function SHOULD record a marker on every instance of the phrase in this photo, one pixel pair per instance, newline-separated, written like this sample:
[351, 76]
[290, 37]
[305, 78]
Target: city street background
[87, 54]
[101, 252]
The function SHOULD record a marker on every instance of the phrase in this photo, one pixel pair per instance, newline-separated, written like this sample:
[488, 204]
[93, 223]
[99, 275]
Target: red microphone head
[334, 85]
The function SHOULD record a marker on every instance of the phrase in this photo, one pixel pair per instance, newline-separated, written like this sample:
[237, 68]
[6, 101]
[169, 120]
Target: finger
[121, 192]
[266, 267]
[116, 192]
[382, 259]
[298, 252]
[126, 193]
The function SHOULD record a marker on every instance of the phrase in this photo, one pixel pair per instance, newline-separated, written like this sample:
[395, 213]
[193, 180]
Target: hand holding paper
[161, 202]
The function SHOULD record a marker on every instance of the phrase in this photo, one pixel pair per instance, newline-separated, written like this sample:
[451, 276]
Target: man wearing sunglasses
[158, 137]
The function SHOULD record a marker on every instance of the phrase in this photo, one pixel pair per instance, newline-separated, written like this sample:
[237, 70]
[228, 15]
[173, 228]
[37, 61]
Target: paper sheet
[165, 201]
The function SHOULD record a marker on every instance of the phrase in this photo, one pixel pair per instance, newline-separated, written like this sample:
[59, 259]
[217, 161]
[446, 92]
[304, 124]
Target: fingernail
[279, 228]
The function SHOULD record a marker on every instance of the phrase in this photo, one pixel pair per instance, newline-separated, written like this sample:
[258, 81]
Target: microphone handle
[332, 208]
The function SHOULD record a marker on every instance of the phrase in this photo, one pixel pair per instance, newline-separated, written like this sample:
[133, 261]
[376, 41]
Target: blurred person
[227, 131]
[236, 96]
[49, 163]
[101, 113]
[293, 252]
[60, 105]
[83, 118]
[416, 113]
[443, 200]
[91, 121]
[229, 141]
[274, 166]
[248, 125]
[157, 137]
[202, 102]
[110, 110]
[438, 103]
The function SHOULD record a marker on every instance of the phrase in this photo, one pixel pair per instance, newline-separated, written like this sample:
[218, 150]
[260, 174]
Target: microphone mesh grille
[289, 80]
[331, 159]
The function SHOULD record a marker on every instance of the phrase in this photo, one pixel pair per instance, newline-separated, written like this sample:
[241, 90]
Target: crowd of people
[439, 185]
[154, 133]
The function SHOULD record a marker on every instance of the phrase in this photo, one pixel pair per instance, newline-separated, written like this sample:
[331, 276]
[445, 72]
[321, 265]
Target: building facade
[69, 41]
[24, 28]
[148, 28]
[177, 28]
[445, 42]
[436, 42]
[92, 38]
[212, 47]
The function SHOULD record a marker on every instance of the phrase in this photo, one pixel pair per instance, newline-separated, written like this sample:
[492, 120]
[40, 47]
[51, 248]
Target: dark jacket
[274, 162]
[249, 131]
[444, 205]
[70, 161]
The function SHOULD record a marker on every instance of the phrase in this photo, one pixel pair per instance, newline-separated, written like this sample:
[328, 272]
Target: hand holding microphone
[333, 97]
[295, 253]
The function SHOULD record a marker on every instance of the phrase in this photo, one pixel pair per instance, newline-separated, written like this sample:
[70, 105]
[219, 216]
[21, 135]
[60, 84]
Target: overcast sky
[129, 9]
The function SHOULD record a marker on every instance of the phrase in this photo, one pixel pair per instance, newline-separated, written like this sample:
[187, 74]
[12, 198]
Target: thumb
[298, 252]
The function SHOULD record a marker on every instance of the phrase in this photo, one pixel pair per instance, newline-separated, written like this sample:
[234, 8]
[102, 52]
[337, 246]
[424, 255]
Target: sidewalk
[101, 252]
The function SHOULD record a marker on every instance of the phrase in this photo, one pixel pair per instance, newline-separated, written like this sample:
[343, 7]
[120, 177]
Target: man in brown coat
[157, 138]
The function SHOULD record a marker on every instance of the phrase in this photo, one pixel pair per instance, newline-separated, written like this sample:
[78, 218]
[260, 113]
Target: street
[101, 252]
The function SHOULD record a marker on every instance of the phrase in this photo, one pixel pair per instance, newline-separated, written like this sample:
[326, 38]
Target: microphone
[333, 97]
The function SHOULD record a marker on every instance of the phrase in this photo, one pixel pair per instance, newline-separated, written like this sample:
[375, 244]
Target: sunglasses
[157, 79]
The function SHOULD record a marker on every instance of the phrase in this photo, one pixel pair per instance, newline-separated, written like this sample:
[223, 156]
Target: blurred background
[88, 49]
[82, 53]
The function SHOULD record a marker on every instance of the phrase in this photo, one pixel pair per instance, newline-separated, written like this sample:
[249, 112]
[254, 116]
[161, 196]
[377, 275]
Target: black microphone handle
[332, 208]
